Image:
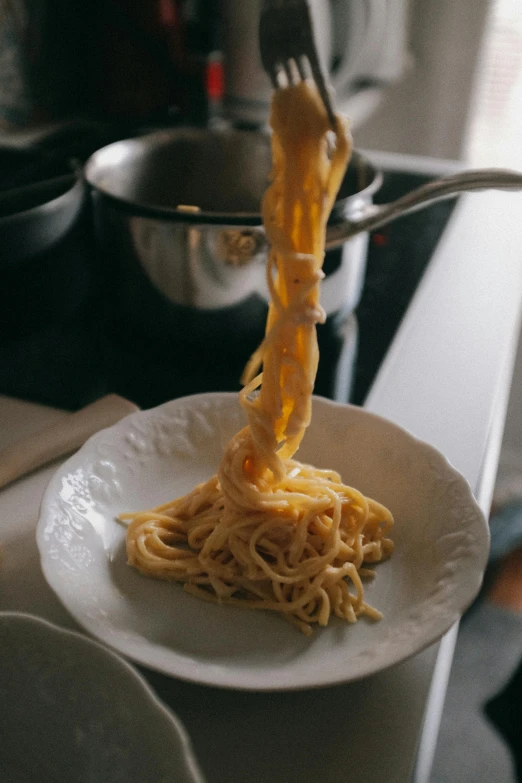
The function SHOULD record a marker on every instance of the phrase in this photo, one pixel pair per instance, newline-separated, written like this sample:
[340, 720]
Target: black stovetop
[60, 343]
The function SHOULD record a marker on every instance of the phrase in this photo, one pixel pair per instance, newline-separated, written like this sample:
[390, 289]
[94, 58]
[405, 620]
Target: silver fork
[287, 45]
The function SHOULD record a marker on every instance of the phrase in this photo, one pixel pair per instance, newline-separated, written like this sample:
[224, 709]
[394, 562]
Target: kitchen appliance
[178, 220]
[175, 289]
[177, 217]
[199, 59]
[86, 341]
[164, 60]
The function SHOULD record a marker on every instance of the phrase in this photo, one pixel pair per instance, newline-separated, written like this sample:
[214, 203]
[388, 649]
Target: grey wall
[426, 114]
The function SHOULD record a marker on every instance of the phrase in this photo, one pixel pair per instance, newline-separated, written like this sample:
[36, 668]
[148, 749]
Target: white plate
[150, 457]
[72, 710]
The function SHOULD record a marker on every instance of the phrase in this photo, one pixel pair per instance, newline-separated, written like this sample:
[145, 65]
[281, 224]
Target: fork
[287, 45]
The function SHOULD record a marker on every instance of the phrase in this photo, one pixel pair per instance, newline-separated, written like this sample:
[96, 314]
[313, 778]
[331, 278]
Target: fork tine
[273, 75]
[301, 67]
[287, 68]
[308, 47]
[324, 92]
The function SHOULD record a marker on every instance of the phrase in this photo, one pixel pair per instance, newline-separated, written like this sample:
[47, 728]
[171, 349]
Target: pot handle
[374, 216]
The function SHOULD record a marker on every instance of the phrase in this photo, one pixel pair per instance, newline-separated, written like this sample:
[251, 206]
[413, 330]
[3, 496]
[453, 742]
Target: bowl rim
[160, 138]
[327, 679]
[170, 721]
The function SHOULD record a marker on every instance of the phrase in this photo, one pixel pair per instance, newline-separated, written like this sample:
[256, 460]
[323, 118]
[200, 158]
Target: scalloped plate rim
[148, 701]
[238, 681]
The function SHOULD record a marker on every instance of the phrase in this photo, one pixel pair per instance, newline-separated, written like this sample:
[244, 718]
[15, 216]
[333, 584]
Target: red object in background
[215, 79]
[136, 60]
[380, 240]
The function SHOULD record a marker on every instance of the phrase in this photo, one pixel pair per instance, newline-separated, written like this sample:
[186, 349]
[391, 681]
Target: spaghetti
[267, 532]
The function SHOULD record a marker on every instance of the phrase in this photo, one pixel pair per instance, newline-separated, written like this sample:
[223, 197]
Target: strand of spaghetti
[267, 532]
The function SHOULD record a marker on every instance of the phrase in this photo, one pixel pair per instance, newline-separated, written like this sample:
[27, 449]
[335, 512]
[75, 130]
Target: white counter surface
[447, 380]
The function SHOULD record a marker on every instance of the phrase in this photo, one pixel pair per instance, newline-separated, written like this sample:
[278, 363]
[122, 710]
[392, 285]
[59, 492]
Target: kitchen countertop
[446, 379]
